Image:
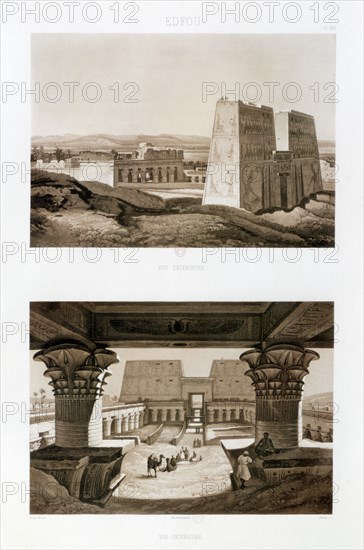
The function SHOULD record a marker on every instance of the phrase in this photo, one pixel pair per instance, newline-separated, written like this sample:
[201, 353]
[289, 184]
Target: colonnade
[166, 414]
[156, 172]
[78, 374]
[123, 421]
[225, 411]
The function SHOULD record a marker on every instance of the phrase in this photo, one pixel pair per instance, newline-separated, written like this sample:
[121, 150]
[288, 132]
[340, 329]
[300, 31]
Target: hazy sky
[196, 362]
[170, 70]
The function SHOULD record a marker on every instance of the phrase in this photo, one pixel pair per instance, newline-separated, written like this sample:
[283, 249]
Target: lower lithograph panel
[202, 408]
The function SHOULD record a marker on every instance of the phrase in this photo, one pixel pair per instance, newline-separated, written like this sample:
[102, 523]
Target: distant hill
[107, 142]
[120, 143]
[326, 146]
[318, 398]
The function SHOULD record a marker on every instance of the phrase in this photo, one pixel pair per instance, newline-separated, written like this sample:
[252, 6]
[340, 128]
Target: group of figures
[185, 456]
[163, 464]
[317, 435]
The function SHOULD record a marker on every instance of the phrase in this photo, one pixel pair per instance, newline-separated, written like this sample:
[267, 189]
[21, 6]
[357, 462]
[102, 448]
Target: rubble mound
[47, 496]
[66, 212]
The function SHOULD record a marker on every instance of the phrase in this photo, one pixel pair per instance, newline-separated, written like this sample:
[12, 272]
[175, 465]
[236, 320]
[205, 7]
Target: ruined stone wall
[131, 171]
[163, 154]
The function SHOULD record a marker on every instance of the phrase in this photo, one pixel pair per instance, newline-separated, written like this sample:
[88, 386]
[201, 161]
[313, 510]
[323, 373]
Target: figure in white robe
[243, 469]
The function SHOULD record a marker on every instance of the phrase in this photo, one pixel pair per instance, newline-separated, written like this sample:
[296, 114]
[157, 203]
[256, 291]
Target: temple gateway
[91, 443]
[259, 160]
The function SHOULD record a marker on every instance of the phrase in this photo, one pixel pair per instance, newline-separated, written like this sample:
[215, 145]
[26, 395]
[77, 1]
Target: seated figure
[172, 465]
[265, 446]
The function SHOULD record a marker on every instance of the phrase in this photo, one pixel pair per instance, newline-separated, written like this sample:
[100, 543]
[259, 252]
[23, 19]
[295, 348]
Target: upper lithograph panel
[183, 140]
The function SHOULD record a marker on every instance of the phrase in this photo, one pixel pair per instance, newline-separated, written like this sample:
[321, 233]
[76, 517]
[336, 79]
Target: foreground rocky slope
[66, 212]
[296, 494]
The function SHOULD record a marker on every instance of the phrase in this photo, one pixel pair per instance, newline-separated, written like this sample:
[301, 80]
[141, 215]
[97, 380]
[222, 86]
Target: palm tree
[59, 154]
[42, 397]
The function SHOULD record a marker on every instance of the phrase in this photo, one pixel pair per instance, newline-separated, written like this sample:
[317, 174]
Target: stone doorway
[283, 189]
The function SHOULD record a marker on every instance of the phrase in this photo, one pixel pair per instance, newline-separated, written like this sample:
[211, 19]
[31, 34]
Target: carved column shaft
[77, 374]
[277, 372]
[164, 174]
[125, 424]
[132, 422]
[117, 424]
[106, 426]
[280, 418]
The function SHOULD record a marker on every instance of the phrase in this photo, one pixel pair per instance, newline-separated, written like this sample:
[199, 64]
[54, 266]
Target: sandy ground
[194, 488]
[179, 193]
[190, 480]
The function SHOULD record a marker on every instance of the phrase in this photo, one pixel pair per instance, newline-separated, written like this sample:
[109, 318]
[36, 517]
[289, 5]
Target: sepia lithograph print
[183, 140]
[181, 408]
[168, 168]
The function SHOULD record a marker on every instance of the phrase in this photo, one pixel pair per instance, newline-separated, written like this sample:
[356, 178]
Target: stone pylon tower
[245, 169]
[222, 178]
[243, 136]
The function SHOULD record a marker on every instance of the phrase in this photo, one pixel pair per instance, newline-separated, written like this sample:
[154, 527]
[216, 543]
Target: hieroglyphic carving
[64, 318]
[225, 121]
[223, 175]
[176, 326]
[159, 379]
[229, 380]
[255, 142]
[43, 329]
[302, 135]
[307, 320]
